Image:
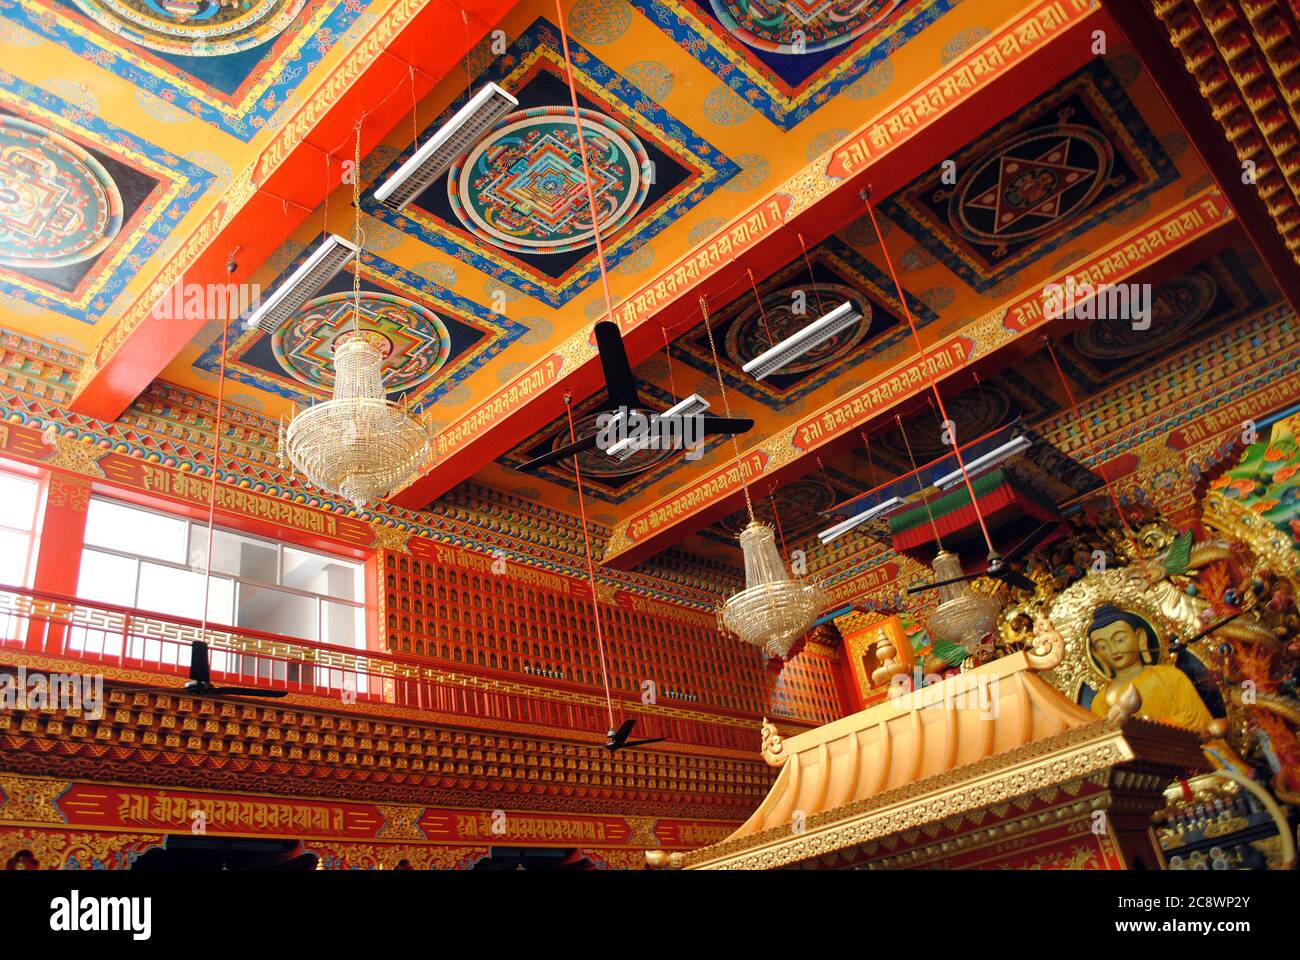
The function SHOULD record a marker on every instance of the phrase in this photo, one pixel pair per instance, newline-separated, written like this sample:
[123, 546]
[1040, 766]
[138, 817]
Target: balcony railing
[97, 633]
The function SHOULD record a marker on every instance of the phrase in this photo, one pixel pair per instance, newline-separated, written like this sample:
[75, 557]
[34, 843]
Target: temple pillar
[61, 531]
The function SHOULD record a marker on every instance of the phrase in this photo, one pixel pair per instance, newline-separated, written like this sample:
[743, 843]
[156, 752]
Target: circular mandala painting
[802, 26]
[798, 504]
[754, 332]
[58, 205]
[414, 340]
[596, 463]
[1029, 186]
[194, 28]
[522, 188]
[975, 412]
[1176, 307]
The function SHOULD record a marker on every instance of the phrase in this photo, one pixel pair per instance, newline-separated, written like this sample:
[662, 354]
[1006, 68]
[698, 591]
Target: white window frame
[190, 529]
[30, 533]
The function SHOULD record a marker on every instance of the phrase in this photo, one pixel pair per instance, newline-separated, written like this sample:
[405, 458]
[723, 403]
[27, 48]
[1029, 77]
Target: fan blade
[641, 743]
[144, 689]
[248, 692]
[620, 382]
[1024, 546]
[727, 426]
[1210, 629]
[943, 583]
[562, 453]
[199, 669]
[1014, 578]
[624, 731]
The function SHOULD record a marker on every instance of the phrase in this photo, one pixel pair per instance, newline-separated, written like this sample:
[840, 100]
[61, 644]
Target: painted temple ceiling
[134, 130]
[1115, 157]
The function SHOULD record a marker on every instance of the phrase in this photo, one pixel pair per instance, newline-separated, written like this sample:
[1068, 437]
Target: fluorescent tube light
[844, 526]
[796, 346]
[466, 127]
[692, 406]
[687, 408]
[986, 462]
[305, 282]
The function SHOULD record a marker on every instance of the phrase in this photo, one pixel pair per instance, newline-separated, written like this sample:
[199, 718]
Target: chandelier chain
[358, 234]
[358, 444]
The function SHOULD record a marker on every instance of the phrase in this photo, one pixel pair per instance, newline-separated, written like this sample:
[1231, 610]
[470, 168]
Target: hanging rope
[609, 313]
[776, 517]
[668, 352]
[811, 279]
[762, 314]
[920, 487]
[925, 356]
[586, 168]
[871, 467]
[726, 406]
[216, 447]
[1096, 459]
[415, 115]
[469, 79]
[591, 566]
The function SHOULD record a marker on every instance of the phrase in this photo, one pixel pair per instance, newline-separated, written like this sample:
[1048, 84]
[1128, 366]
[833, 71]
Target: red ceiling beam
[1215, 237]
[1040, 71]
[287, 192]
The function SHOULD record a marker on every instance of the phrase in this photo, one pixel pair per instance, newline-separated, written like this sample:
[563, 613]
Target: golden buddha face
[1118, 646]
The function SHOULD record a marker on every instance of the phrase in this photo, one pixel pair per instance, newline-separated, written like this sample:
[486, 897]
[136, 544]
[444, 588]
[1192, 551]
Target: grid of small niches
[503, 623]
[807, 688]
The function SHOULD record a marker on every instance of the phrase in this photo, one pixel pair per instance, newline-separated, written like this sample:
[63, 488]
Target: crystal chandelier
[774, 610]
[963, 616]
[360, 444]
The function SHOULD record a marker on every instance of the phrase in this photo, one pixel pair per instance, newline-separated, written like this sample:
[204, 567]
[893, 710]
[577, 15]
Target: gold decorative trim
[395, 539]
[70, 491]
[1269, 544]
[78, 456]
[1061, 761]
[400, 822]
[31, 801]
[773, 748]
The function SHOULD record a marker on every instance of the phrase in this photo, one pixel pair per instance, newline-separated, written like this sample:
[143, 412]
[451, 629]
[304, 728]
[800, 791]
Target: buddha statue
[1124, 646]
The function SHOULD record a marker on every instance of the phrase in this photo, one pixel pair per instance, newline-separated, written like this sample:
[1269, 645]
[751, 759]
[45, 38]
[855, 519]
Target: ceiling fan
[1008, 569]
[621, 394]
[200, 681]
[618, 739]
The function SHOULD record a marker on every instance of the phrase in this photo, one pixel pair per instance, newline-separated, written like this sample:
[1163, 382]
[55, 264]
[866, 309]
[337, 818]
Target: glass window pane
[131, 530]
[106, 578]
[342, 625]
[17, 502]
[316, 573]
[13, 558]
[274, 611]
[240, 556]
[180, 593]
